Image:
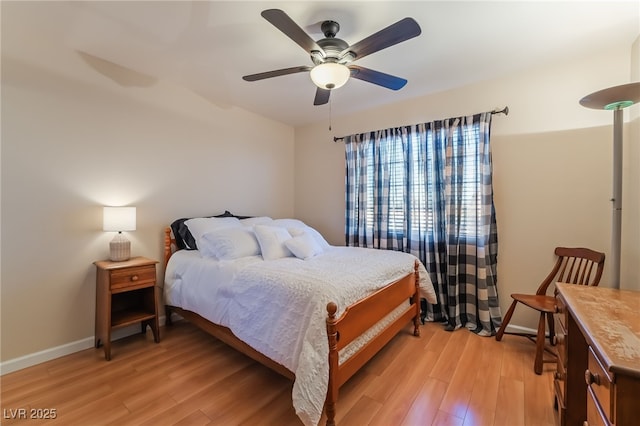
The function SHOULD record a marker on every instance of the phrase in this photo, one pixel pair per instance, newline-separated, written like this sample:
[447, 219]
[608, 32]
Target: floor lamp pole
[615, 99]
[616, 219]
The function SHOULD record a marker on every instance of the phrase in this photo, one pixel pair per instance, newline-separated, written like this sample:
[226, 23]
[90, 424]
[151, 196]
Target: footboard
[359, 318]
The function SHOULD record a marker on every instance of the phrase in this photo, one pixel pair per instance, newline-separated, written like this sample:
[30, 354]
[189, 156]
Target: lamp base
[119, 248]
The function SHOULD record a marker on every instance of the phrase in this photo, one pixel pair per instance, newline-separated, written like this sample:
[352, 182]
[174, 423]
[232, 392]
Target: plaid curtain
[426, 189]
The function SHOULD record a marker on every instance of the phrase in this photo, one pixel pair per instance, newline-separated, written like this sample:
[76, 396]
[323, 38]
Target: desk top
[610, 322]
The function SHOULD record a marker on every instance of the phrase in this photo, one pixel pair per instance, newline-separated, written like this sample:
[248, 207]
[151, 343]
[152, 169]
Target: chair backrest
[580, 266]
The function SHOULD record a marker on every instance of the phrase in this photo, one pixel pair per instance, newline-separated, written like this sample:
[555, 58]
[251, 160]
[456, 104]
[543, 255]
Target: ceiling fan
[332, 57]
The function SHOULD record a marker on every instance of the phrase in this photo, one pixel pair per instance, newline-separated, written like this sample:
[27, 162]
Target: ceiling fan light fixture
[330, 75]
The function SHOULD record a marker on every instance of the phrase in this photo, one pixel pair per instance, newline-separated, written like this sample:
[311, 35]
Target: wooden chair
[575, 266]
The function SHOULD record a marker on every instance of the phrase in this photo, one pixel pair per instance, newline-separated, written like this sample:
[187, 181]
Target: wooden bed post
[167, 245]
[332, 391]
[168, 241]
[416, 300]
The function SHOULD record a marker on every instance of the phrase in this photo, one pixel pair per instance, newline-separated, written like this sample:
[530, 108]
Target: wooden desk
[598, 377]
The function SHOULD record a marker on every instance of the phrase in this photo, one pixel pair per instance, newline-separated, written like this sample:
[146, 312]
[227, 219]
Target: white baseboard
[517, 329]
[66, 349]
[46, 355]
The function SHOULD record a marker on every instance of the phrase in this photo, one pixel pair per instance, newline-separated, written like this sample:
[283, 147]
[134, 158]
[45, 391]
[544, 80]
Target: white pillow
[201, 225]
[271, 240]
[317, 236]
[260, 220]
[230, 243]
[289, 223]
[303, 245]
[296, 223]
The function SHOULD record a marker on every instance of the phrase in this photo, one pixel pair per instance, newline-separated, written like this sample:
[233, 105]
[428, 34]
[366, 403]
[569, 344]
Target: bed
[278, 292]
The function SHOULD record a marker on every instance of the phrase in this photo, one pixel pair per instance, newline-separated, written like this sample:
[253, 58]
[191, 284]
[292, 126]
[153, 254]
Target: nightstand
[126, 294]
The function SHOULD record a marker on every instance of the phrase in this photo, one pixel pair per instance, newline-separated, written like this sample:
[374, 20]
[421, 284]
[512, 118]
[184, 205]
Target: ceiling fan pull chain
[329, 114]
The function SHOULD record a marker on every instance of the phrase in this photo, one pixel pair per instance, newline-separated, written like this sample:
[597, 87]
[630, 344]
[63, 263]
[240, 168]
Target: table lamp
[118, 219]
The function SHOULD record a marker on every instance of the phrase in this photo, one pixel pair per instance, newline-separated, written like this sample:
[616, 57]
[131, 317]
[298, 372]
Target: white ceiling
[209, 46]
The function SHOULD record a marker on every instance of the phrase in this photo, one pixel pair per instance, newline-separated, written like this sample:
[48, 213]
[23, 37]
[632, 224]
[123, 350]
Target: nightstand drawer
[133, 277]
[561, 312]
[595, 416]
[600, 384]
[561, 340]
[559, 380]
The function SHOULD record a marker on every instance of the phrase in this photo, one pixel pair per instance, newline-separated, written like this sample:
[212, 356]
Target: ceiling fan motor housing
[332, 48]
[330, 28]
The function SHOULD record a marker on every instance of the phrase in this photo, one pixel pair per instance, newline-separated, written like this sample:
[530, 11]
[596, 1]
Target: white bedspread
[279, 307]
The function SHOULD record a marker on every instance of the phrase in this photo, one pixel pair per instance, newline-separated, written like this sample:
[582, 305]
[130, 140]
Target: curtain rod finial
[504, 111]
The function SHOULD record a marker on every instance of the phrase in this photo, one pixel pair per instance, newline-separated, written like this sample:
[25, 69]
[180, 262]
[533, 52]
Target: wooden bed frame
[341, 331]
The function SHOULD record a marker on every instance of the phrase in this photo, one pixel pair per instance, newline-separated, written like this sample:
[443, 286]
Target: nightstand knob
[591, 378]
[134, 278]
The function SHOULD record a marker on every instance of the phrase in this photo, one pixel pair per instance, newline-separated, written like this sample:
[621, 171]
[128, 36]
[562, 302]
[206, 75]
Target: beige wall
[73, 140]
[551, 157]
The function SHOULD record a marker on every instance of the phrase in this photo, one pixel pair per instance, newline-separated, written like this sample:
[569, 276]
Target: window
[411, 187]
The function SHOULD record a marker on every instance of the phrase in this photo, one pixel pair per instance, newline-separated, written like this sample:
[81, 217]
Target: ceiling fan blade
[376, 77]
[395, 33]
[322, 96]
[276, 73]
[284, 23]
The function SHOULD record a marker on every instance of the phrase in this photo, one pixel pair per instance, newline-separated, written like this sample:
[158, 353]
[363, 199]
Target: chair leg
[540, 338]
[505, 320]
[552, 329]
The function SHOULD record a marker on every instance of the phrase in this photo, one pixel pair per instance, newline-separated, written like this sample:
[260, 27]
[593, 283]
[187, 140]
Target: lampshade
[119, 219]
[330, 75]
[617, 97]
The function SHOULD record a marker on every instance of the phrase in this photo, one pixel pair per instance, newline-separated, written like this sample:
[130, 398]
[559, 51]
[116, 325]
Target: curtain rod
[504, 111]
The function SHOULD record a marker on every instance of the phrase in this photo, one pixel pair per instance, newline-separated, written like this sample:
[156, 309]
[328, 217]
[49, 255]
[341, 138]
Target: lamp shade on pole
[118, 219]
[617, 97]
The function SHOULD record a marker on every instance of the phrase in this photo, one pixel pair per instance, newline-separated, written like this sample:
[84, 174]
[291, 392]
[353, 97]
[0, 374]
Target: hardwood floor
[190, 378]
